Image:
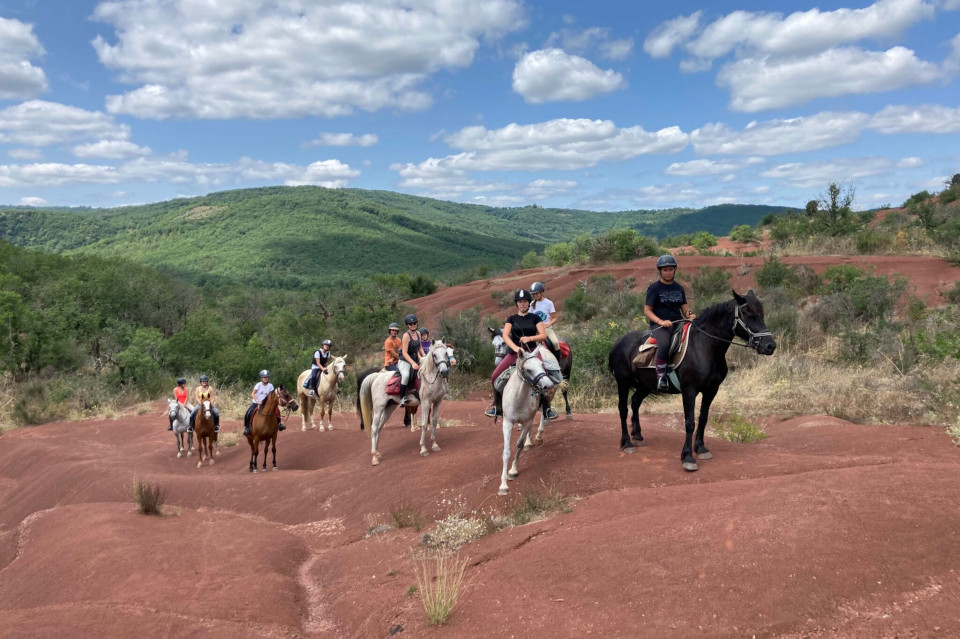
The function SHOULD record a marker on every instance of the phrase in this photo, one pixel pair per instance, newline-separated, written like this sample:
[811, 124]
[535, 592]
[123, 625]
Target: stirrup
[663, 384]
[312, 393]
[281, 426]
[551, 414]
[246, 430]
[493, 411]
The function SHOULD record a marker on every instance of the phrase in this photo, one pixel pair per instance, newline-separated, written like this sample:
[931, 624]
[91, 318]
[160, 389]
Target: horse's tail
[365, 403]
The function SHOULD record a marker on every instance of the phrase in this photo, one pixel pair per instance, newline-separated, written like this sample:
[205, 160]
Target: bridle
[753, 338]
[445, 360]
[532, 382]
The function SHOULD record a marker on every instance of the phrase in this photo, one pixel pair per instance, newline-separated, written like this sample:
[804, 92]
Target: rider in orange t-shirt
[391, 348]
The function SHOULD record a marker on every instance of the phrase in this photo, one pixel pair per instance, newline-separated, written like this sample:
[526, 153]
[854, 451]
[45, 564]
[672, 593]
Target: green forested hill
[298, 237]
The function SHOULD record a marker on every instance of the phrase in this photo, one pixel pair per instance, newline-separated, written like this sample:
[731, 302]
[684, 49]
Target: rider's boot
[548, 411]
[403, 394]
[190, 425]
[663, 384]
[246, 427]
[280, 424]
[170, 427]
[216, 423]
[495, 409]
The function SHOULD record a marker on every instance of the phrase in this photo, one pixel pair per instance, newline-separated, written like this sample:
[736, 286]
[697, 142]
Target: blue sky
[600, 105]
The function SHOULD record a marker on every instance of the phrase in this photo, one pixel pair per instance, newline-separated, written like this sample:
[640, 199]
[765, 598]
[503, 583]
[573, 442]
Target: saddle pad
[501, 381]
[564, 350]
[647, 353]
[393, 386]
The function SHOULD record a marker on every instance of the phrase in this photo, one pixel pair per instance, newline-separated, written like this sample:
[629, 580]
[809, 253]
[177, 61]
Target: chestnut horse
[263, 426]
[206, 436]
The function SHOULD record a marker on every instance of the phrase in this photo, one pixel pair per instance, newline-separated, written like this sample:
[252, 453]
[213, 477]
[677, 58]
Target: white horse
[179, 416]
[521, 401]
[327, 389]
[434, 375]
[376, 407]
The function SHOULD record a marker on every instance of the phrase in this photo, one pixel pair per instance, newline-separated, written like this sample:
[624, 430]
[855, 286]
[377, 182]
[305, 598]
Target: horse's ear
[740, 299]
[492, 331]
[344, 356]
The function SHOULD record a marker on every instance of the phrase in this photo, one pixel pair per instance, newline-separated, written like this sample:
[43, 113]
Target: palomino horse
[434, 375]
[327, 389]
[702, 370]
[263, 425]
[521, 401]
[180, 418]
[206, 436]
[565, 363]
[376, 407]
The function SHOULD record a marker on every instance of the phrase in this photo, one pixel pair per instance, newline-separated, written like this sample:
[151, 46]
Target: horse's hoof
[254, 471]
[528, 446]
[629, 450]
[705, 455]
[200, 464]
[690, 466]
[376, 461]
[512, 476]
[303, 428]
[538, 441]
[211, 461]
[435, 448]
[179, 455]
[275, 469]
[414, 429]
[424, 452]
[321, 428]
[189, 454]
[503, 491]
[569, 417]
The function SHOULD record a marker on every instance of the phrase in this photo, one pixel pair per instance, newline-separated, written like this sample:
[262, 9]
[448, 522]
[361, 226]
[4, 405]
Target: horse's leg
[200, 451]
[176, 438]
[689, 406]
[639, 395]
[623, 392]
[433, 431]
[567, 404]
[189, 442]
[329, 403]
[424, 419]
[504, 476]
[253, 456]
[522, 442]
[273, 444]
[706, 398]
[375, 426]
[538, 440]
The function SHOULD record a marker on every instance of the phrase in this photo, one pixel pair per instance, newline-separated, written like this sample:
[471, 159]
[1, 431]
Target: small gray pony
[180, 418]
[521, 402]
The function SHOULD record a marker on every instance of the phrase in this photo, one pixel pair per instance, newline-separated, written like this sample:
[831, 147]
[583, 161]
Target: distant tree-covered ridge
[295, 238]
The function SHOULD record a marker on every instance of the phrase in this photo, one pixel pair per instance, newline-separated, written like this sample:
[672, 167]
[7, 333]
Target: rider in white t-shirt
[548, 315]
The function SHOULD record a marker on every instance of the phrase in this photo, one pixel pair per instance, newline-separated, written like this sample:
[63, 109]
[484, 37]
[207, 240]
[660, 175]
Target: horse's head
[532, 369]
[338, 366]
[285, 400]
[748, 323]
[499, 345]
[173, 408]
[440, 355]
[206, 409]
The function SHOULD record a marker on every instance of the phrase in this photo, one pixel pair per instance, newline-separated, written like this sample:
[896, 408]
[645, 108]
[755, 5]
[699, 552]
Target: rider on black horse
[665, 307]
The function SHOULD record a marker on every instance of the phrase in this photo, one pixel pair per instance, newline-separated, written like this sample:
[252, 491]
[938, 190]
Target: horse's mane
[713, 314]
[429, 365]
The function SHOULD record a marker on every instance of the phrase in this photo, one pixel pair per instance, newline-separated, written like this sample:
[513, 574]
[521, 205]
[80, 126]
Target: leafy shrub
[744, 233]
[703, 241]
[774, 273]
[953, 294]
[780, 313]
[470, 340]
[530, 260]
[558, 254]
[406, 516]
[734, 428]
[917, 198]
[949, 195]
[870, 241]
[710, 285]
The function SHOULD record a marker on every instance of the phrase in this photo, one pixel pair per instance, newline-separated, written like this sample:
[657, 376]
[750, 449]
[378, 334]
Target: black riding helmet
[410, 319]
[181, 380]
[521, 294]
[666, 260]
[204, 378]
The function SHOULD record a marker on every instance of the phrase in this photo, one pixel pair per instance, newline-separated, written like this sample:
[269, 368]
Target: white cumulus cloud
[41, 123]
[19, 78]
[816, 174]
[552, 75]
[265, 59]
[33, 201]
[344, 139]
[111, 149]
[777, 137]
[925, 118]
[757, 84]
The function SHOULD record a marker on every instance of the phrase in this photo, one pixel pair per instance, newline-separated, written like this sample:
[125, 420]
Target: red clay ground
[825, 529]
[929, 278]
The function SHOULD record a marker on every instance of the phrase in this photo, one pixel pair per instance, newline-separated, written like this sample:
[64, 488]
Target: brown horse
[264, 426]
[206, 435]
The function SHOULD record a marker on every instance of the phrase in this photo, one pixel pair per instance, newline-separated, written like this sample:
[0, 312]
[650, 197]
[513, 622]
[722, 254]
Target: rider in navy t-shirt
[665, 307]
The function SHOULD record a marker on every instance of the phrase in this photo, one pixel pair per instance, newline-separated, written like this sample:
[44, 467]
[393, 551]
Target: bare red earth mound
[825, 529]
[929, 279]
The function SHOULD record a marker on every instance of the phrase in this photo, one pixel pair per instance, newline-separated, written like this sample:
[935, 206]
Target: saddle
[393, 386]
[646, 355]
[550, 365]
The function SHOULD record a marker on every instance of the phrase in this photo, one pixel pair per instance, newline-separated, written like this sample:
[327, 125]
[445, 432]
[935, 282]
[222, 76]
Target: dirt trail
[825, 529]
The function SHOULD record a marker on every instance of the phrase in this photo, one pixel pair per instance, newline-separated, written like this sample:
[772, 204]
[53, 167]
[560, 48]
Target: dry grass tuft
[148, 497]
[440, 584]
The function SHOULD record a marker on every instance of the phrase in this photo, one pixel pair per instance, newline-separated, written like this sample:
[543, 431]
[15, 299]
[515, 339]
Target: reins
[754, 339]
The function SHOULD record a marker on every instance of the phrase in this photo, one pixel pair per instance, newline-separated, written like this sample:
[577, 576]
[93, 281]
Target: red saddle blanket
[564, 350]
[393, 386]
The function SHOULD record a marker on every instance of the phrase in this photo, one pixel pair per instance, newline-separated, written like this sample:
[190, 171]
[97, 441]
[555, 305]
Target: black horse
[702, 370]
[500, 351]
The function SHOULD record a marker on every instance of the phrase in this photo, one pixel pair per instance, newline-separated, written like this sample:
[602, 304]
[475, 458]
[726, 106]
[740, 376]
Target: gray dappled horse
[521, 402]
[179, 416]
